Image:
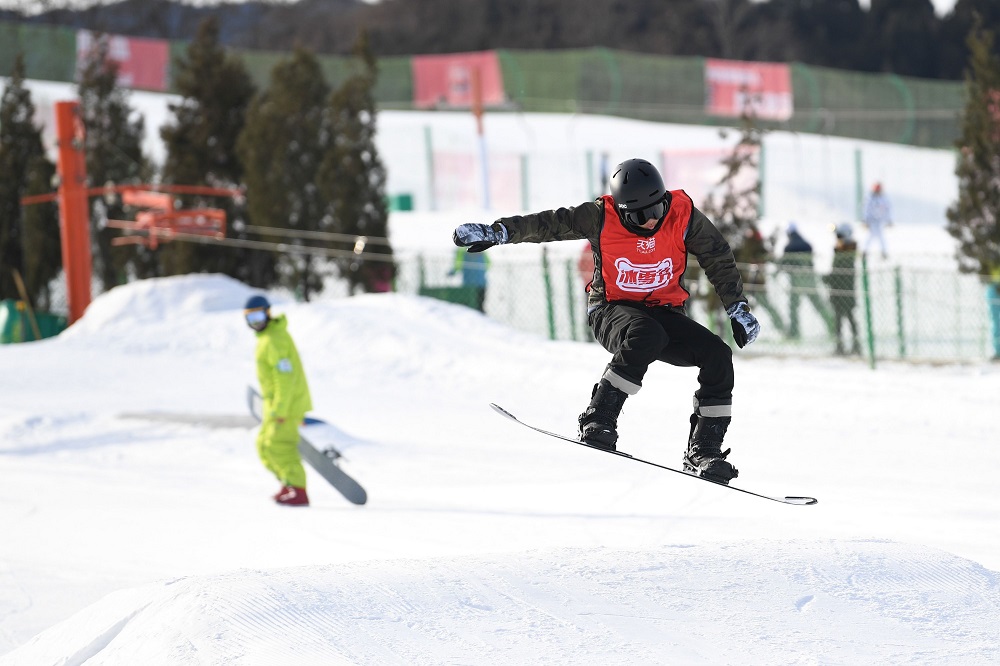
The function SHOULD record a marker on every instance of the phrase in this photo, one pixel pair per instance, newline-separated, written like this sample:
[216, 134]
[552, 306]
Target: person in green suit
[286, 401]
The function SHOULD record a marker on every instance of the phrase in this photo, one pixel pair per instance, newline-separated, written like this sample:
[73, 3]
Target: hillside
[134, 539]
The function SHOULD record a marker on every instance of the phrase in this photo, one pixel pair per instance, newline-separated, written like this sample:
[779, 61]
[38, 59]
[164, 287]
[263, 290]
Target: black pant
[638, 335]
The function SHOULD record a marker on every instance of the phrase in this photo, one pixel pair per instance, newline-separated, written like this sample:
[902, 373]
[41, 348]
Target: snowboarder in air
[286, 401]
[641, 235]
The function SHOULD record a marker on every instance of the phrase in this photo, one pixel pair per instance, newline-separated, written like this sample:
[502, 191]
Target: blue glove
[478, 237]
[745, 325]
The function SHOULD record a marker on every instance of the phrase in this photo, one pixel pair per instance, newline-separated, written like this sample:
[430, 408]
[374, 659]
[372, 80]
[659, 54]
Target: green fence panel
[879, 107]
[49, 52]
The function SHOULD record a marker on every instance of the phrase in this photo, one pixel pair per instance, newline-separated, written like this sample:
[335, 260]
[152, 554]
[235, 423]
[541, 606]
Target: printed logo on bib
[643, 277]
[645, 245]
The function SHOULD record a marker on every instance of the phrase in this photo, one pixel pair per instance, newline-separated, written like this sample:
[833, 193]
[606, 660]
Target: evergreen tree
[905, 36]
[113, 148]
[352, 178]
[281, 152]
[29, 236]
[734, 204]
[201, 150]
[972, 219]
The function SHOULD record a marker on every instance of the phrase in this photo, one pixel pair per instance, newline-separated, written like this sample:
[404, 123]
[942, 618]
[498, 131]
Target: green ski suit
[286, 401]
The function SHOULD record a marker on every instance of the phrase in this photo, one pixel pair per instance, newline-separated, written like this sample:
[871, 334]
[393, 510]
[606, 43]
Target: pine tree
[114, 133]
[972, 219]
[352, 177]
[281, 151]
[201, 150]
[734, 204]
[29, 236]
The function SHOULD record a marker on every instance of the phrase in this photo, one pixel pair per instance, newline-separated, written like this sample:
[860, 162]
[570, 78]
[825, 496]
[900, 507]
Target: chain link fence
[892, 313]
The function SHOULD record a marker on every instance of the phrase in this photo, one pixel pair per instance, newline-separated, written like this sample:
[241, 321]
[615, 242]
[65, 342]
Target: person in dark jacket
[640, 236]
[754, 254]
[797, 261]
[842, 282]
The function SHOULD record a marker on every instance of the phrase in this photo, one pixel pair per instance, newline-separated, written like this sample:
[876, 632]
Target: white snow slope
[137, 540]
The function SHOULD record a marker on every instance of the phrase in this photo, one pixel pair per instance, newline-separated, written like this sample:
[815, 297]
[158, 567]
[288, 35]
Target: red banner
[763, 89]
[143, 64]
[442, 81]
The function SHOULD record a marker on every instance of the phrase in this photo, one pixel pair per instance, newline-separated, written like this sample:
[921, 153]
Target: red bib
[646, 269]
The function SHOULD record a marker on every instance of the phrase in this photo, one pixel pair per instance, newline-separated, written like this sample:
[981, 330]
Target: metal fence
[880, 107]
[900, 313]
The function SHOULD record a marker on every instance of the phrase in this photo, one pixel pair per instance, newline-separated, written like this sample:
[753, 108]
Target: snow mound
[758, 602]
[386, 335]
[158, 300]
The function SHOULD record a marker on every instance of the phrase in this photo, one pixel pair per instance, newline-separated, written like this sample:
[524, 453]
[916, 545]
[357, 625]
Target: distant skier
[473, 270]
[878, 216]
[641, 235]
[286, 401]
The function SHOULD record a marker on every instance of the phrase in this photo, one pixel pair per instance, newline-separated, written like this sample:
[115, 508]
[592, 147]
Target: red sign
[452, 80]
[762, 89]
[142, 63]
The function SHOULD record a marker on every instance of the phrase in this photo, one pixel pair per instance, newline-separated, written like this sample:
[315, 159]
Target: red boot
[275, 496]
[293, 497]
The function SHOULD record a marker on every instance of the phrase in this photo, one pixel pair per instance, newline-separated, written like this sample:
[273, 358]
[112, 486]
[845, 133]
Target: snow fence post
[866, 286]
[899, 313]
[549, 305]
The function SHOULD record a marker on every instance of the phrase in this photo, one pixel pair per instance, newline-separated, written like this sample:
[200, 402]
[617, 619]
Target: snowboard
[324, 462]
[798, 501]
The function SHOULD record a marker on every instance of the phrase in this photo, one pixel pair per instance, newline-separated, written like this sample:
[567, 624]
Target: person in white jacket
[878, 216]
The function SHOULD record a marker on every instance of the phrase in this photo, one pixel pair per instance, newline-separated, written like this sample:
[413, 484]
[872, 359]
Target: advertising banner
[143, 63]
[734, 86]
[450, 80]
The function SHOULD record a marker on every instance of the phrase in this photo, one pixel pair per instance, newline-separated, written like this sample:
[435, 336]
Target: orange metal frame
[74, 218]
[162, 222]
[154, 226]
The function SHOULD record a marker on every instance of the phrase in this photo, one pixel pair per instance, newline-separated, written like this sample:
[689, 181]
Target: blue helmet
[257, 312]
[257, 302]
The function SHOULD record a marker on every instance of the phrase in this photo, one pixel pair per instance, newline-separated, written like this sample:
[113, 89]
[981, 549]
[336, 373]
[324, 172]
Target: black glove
[745, 325]
[478, 237]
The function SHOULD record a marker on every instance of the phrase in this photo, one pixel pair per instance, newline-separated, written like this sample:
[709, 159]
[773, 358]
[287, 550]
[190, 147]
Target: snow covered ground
[131, 538]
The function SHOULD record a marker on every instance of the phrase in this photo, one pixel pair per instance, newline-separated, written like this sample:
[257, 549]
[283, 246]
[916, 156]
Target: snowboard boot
[293, 497]
[704, 456]
[599, 423]
[275, 496]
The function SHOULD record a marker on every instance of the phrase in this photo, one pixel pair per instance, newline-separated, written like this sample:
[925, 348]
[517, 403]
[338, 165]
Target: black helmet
[635, 186]
[257, 312]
